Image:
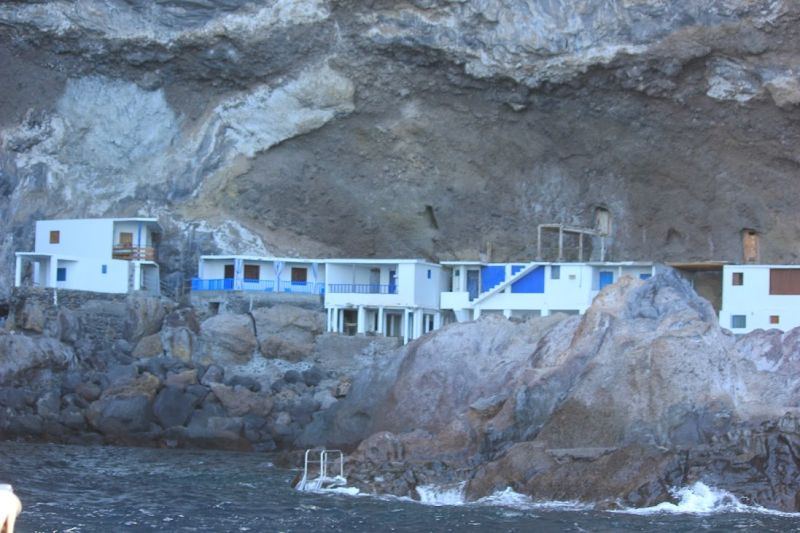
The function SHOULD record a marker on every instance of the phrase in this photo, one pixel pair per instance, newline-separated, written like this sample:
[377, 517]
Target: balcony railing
[259, 285]
[362, 288]
[133, 253]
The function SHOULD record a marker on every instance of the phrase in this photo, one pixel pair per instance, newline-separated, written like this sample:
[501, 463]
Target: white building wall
[79, 238]
[427, 290]
[86, 274]
[753, 300]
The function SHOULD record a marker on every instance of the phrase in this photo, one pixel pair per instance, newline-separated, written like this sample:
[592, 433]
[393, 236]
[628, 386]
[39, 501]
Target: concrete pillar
[437, 320]
[381, 321]
[18, 272]
[545, 312]
[361, 321]
[507, 313]
[404, 325]
[52, 272]
[329, 322]
[462, 282]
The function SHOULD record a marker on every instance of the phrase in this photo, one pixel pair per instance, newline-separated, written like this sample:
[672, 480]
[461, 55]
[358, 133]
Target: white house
[115, 255]
[390, 297]
[760, 296]
[530, 289]
[265, 274]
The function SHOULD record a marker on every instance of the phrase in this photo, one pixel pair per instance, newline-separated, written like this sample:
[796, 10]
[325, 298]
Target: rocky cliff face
[423, 128]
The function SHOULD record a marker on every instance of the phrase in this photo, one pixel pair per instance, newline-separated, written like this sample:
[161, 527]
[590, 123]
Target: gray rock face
[237, 122]
[20, 354]
[226, 339]
[287, 332]
[643, 392]
[173, 406]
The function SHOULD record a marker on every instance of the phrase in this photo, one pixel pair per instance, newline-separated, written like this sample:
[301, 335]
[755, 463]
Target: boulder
[641, 393]
[20, 354]
[179, 342]
[287, 331]
[313, 376]
[126, 407]
[226, 339]
[245, 381]
[181, 378]
[49, 404]
[213, 374]
[173, 406]
[149, 346]
[121, 415]
[239, 400]
[292, 376]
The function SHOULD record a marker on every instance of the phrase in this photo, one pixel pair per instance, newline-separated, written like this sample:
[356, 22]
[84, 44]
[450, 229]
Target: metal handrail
[262, 285]
[362, 288]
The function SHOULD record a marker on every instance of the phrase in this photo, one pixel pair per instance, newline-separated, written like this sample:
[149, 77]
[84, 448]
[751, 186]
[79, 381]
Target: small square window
[55, 237]
[774, 319]
[104, 269]
[555, 272]
[738, 321]
[61, 274]
[738, 278]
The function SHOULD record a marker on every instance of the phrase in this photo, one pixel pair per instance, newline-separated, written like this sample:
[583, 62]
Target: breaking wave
[699, 498]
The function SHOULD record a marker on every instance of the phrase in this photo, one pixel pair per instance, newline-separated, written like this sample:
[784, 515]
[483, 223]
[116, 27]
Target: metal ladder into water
[326, 459]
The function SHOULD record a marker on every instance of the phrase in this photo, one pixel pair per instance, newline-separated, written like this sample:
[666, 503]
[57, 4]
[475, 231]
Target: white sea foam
[441, 495]
[699, 498]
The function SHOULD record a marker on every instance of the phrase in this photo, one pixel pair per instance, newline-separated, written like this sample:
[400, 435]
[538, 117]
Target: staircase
[506, 283]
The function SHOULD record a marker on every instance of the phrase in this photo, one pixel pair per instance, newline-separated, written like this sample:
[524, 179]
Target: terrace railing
[362, 288]
[133, 253]
[259, 285]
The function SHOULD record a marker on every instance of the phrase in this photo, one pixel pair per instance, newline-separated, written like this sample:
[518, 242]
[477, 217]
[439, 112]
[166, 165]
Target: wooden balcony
[128, 252]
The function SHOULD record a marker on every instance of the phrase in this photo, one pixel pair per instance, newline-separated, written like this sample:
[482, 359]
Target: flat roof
[147, 220]
[698, 266]
[588, 263]
[262, 258]
[761, 265]
[381, 262]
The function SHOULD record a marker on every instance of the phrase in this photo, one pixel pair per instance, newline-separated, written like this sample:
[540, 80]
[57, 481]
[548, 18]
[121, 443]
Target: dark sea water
[83, 489]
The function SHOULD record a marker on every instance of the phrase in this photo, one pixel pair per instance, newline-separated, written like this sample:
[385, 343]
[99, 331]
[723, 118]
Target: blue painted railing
[362, 288]
[261, 285]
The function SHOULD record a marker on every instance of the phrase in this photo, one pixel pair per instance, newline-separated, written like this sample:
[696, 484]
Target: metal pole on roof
[539, 242]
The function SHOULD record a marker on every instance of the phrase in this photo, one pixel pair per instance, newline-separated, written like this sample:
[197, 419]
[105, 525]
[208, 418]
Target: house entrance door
[473, 283]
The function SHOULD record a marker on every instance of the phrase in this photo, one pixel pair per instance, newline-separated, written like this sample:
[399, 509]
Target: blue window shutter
[61, 274]
[606, 278]
[429, 273]
[104, 269]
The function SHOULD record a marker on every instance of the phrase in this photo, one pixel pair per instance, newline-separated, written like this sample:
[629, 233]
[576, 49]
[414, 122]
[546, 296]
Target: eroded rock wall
[426, 128]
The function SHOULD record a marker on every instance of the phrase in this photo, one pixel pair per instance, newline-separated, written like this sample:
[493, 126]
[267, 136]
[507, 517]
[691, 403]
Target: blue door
[392, 282]
[606, 278]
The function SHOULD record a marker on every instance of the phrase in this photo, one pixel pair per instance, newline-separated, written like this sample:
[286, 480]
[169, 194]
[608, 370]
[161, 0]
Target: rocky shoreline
[642, 394]
[145, 371]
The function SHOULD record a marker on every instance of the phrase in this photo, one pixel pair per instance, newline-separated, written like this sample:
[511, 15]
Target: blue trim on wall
[530, 283]
[491, 276]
